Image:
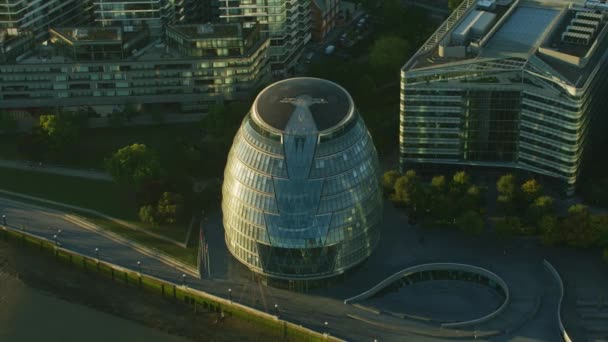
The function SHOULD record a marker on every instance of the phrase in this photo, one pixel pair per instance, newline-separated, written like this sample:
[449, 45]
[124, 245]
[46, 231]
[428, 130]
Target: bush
[388, 181]
[169, 208]
[147, 214]
[470, 222]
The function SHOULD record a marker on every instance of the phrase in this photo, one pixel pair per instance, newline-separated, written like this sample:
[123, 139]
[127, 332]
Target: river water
[28, 314]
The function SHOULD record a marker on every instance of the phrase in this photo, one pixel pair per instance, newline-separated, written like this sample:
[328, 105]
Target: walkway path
[399, 248]
[57, 170]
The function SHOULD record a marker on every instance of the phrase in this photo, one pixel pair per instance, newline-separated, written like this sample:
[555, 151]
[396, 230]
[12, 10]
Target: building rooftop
[90, 34]
[522, 31]
[562, 38]
[303, 105]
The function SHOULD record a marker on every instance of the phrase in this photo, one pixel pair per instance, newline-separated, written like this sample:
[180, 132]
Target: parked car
[330, 49]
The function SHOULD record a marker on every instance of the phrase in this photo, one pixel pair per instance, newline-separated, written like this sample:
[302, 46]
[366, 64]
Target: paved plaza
[531, 315]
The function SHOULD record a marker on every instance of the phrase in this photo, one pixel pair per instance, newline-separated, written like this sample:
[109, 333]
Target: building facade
[324, 14]
[506, 86]
[301, 194]
[197, 66]
[286, 22]
[130, 14]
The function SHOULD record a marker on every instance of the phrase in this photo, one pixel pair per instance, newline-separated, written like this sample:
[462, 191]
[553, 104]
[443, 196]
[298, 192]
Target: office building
[286, 22]
[324, 16]
[130, 14]
[301, 193]
[507, 85]
[196, 66]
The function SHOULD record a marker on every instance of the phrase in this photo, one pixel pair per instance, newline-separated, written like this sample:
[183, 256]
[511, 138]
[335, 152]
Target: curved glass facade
[302, 203]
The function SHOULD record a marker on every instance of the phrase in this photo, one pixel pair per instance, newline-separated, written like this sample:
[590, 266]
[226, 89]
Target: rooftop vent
[597, 5]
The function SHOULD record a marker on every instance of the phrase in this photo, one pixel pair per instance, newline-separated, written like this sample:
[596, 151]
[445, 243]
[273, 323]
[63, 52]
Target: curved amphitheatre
[452, 277]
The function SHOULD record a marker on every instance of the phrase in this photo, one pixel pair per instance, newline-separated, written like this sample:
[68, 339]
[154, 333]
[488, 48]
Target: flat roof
[521, 32]
[329, 104]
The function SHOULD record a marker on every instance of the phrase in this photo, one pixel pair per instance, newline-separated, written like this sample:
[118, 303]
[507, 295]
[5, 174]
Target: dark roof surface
[336, 104]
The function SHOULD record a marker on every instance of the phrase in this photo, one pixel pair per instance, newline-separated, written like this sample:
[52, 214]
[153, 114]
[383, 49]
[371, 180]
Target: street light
[139, 266]
[276, 309]
[230, 294]
[97, 253]
[184, 279]
[326, 330]
[55, 239]
[4, 220]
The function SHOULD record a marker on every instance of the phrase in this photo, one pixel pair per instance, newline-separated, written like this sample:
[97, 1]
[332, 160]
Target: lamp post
[276, 309]
[184, 279]
[139, 267]
[326, 329]
[4, 220]
[97, 254]
[230, 295]
[55, 239]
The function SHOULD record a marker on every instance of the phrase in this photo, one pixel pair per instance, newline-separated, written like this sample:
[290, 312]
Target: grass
[96, 144]
[106, 197]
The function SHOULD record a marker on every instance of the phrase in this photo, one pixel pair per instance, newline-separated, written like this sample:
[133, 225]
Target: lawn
[94, 145]
[106, 197]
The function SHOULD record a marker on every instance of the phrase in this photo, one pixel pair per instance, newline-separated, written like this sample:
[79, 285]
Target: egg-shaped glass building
[301, 195]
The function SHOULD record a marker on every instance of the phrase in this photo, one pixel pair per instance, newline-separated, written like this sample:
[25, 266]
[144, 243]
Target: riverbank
[43, 298]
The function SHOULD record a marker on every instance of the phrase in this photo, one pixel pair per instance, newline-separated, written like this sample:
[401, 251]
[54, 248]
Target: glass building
[506, 85]
[301, 194]
[286, 22]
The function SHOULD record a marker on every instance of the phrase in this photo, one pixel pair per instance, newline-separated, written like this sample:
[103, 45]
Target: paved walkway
[399, 248]
[57, 170]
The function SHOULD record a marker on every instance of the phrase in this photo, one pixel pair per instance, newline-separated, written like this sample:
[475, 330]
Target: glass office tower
[301, 193]
[507, 85]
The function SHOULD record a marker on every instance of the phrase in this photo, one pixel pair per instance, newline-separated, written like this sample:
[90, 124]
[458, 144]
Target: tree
[388, 181]
[438, 183]
[507, 191]
[577, 229]
[453, 4]
[169, 208]
[460, 182]
[549, 229]
[147, 214]
[133, 165]
[541, 206]
[61, 131]
[387, 54]
[531, 189]
[507, 227]
[599, 224]
[470, 222]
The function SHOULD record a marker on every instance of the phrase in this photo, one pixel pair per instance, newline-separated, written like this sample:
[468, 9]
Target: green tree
[387, 54]
[453, 4]
[169, 208]
[133, 165]
[470, 222]
[577, 228]
[531, 189]
[599, 224]
[541, 206]
[507, 191]
[60, 131]
[508, 227]
[388, 181]
[438, 183]
[550, 230]
[407, 189]
[147, 214]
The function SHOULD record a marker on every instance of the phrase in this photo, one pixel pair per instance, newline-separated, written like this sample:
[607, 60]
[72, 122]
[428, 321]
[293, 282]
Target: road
[399, 249]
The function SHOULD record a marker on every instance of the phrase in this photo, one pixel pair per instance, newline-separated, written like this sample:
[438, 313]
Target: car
[309, 57]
